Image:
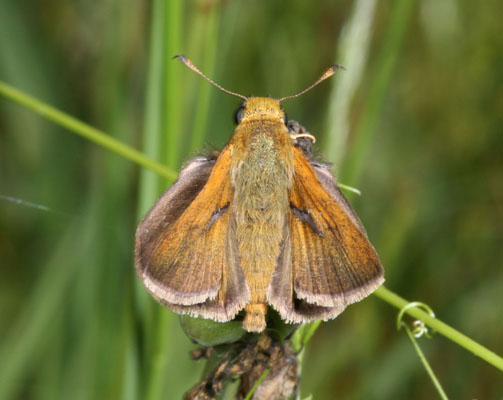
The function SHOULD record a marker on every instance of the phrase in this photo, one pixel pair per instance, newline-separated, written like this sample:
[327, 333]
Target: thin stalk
[83, 129]
[457, 337]
[425, 362]
[441, 327]
[256, 385]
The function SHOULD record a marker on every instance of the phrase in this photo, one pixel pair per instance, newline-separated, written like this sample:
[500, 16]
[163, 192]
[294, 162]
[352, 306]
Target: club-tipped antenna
[191, 65]
[327, 74]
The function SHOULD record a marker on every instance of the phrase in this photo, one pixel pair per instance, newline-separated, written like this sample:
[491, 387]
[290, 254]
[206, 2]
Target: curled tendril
[419, 328]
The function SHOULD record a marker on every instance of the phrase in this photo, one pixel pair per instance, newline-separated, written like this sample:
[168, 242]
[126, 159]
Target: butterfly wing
[185, 249]
[327, 261]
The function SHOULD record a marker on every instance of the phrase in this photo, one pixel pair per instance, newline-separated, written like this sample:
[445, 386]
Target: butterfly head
[260, 108]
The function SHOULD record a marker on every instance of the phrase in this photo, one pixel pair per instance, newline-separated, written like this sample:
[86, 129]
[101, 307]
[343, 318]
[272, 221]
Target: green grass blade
[21, 349]
[358, 153]
[172, 88]
[149, 188]
[206, 91]
[161, 330]
[352, 51]
[83, 129]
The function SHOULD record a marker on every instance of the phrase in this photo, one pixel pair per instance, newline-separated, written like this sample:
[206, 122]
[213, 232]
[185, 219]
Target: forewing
[326, 255]
[184, 248]
[169, 207]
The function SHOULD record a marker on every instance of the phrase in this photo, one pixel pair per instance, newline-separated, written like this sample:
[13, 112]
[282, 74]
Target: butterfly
[260, 224]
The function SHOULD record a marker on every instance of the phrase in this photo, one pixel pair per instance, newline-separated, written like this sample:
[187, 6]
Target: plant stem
[457, 337]
[255, 386]
[84, 130]
[425, 362]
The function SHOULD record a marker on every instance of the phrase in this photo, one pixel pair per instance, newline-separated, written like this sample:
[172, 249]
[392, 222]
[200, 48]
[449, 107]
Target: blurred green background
[415, 123]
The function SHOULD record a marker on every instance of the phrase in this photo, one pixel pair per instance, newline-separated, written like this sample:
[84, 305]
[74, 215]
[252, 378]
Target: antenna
[327, 74]
[189, 64]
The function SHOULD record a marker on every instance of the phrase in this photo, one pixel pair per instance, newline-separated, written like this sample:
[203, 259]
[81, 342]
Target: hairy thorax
[261, 174]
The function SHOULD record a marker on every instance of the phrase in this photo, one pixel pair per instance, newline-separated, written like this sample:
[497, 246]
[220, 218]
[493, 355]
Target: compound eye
[285, 119]
[239, 114]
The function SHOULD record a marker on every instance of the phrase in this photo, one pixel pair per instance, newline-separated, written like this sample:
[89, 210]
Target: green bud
[207, 332]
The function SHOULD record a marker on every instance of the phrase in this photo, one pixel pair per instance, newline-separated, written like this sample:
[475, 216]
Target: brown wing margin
[186, 256]
[327, 261]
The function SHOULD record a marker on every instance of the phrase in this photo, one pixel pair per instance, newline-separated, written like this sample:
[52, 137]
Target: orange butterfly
[261, 225]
